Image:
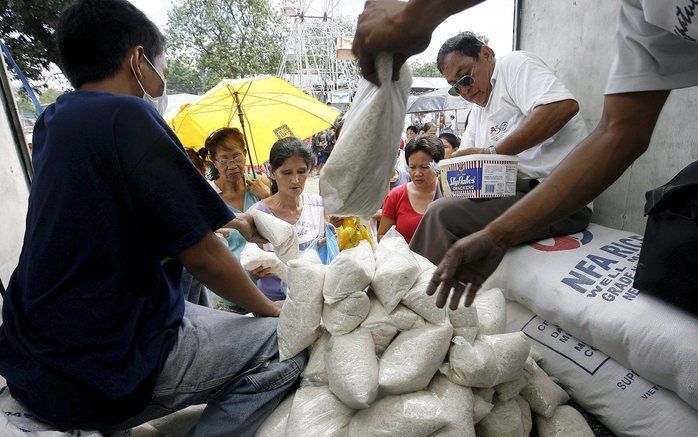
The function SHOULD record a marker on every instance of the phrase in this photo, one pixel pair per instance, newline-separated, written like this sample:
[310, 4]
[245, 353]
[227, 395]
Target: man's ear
[133, 60]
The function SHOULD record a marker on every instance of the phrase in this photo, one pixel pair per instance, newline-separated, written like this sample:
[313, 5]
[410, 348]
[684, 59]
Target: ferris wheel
[317, 54]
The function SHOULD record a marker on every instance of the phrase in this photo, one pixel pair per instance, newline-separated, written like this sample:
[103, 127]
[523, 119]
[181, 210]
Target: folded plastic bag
[379, 323]
[316, 412]
[315, 371]
[458, 407]
[416, 414]
[503, 420]
[343, 316]
[252, 257]
[352, 368]
[275, 424]
[396, 269]
[380, 111]
[491, 311]
[299, 321]
[350, 271]
[411, 360]
[418, 301]
[565, 422]
[541, 393]
[280, 234]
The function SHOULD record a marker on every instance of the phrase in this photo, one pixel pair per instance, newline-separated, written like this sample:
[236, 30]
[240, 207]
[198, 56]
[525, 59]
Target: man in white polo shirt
[520, 108]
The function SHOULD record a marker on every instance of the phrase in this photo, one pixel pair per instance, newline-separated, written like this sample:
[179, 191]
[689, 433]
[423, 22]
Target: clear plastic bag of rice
[417, 414]
[491, 311]
[418, 301]
[405, 319]
[343, 316]
[280, 234]
[504, 420]
[315, 371]
[458, 407]
[411, 360]
[465, 322]
[350, 271]
[396, 269]
[490, 360]
[253, 257]
[379, 323]
[316, 412]
[541, 393]
[352, 368]
[565, 422]
[275, 424]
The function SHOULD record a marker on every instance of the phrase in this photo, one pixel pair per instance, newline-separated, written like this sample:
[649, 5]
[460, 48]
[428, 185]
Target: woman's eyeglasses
[240, 159]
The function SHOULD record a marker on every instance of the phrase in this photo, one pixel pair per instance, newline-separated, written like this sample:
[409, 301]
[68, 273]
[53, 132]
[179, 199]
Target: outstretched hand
[386, 26]
[466, 265]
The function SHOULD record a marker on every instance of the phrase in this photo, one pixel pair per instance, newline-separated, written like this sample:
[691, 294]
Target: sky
[493, 18]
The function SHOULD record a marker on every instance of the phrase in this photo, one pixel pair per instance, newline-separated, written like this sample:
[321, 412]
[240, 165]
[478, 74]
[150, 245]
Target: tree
[209, 40]
[27, 28]
[424, 69]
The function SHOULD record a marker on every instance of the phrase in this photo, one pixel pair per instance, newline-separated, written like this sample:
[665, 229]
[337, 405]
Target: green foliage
[209, 40]
[424, 69]
[27, 28]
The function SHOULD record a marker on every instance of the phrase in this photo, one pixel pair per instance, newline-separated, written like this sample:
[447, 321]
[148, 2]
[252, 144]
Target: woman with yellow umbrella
[225, 148]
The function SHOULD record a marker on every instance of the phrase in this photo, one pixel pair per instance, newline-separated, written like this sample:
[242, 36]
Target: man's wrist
[430, 13]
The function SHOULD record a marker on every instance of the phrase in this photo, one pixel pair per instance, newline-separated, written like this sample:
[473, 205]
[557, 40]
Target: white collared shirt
[520, 82]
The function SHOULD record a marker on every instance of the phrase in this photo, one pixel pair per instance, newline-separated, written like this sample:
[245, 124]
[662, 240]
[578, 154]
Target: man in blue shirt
[96, 334]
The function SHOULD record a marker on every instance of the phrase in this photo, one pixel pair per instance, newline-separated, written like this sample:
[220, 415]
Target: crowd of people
[96, 332]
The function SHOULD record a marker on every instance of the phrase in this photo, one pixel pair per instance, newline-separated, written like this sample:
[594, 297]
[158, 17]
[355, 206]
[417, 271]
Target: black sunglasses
[466, 80]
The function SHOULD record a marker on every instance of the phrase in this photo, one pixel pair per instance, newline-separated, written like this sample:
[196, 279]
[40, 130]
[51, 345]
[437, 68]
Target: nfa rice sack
[316, 412]
[504, 420]
[379, 111]
[315, 371]
[280, 234]
[379, 323]
[350, 271]
[584, 284]
[352, 368]
[252, 257]
[491, 311]
[622, 400]
[565, 422]
[396, 269]
[411, 360]
[541, 392]
[458, 408]
[417, 414]
[275, 424]
[299, 321]
[343, 316]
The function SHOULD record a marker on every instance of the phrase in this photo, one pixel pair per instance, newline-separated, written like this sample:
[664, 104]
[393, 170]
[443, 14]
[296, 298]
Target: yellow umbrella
[264, 108]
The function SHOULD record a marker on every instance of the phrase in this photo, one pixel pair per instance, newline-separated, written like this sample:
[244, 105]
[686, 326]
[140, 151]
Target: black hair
[453, 140]
[428, 144]
[413, 128]
[466, 43]
[93, 36]
[286, 148]
[214, 142]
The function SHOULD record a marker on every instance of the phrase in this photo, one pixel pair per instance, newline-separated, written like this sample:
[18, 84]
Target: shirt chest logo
[497, 131]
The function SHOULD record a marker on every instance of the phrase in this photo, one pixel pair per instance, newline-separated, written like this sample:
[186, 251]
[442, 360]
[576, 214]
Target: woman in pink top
[406, 204]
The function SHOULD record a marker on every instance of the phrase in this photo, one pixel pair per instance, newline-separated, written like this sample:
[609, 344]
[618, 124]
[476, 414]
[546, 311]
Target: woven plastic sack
[411, 360]
[280, 234]
[380, 111]
[343, 316]
[352, 270]
[315, 371]
[565, 422]
[491, 311]
[379, 323]
[275, 424]
[503, 420]
[316, 412]
[458, 408]
[252, 257]
[583, 283]
[416, 414]
[352, 368]
[299, 321]
[541, 393]
[490, 360]
[396, 269]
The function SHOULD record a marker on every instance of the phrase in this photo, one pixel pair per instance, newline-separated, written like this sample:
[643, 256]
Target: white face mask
[159, 103]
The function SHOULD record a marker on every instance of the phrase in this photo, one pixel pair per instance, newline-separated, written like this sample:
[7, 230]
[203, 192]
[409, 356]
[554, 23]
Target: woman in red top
[406, 204]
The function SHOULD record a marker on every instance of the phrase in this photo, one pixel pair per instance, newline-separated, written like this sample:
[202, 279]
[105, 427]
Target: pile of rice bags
[385, 361]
